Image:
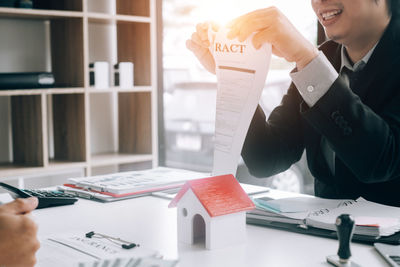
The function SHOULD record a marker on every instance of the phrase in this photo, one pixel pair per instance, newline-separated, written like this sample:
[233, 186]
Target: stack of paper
[73, 250]
[124, 185]
[129, 262]
[371, 219]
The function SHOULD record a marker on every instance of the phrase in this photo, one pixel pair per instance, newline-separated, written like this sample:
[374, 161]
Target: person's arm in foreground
[18, 241]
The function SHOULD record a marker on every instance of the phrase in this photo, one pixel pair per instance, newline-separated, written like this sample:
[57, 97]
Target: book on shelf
[26, 80]
[371, 219]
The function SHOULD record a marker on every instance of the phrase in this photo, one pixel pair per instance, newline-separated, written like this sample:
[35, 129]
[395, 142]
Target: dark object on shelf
[7, 3]
[23, 3]
[71, 5]
[17, 3]
[26, 80]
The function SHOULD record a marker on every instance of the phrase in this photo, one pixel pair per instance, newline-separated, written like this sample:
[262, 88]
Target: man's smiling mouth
[330, 14]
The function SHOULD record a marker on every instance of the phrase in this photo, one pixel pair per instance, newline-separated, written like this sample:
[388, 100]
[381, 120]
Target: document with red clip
[124, 185]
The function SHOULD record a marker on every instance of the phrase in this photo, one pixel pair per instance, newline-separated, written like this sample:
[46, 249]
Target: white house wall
[185, 224]
[220, 231]
[227, 230]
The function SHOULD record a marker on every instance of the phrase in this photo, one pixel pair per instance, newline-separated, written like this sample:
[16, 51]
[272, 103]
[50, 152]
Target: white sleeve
[315, 79]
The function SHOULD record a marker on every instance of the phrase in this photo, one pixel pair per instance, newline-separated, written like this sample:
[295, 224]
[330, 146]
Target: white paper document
[76, 250]
[371, 219]
[299, 204]
[241, 72]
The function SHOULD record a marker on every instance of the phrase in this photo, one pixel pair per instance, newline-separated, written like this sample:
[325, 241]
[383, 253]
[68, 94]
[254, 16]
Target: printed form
[241, 72]
[75, 250]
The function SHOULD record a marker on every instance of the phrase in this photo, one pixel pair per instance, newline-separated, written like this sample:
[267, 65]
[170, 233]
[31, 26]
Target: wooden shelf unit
[55, 129]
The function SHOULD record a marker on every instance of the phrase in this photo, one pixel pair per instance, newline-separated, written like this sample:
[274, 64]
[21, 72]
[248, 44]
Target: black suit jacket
[363, 129]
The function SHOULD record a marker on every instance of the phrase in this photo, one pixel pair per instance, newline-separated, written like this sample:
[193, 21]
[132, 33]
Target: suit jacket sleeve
[273, 146]
[365, 134]
[366, 141]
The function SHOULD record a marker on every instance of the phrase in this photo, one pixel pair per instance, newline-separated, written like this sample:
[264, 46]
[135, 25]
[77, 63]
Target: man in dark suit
[343, 106]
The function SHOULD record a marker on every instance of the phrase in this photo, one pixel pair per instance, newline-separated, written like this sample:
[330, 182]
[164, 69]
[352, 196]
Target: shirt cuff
[315, 79]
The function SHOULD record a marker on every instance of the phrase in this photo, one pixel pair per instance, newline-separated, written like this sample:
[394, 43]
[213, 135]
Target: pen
[124, 244]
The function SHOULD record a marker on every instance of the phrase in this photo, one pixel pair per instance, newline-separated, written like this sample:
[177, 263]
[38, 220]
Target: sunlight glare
[219, 11]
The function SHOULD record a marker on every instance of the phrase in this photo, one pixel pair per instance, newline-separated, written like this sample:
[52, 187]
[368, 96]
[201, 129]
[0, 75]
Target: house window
[184, 212]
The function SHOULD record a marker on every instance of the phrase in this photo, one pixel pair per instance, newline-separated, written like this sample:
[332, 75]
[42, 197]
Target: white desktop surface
[149, 222]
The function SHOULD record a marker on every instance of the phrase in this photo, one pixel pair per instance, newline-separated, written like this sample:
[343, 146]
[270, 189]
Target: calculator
[47, 198]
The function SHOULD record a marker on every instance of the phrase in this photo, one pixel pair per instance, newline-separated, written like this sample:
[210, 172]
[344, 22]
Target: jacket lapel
[383, 65]
[374, 77]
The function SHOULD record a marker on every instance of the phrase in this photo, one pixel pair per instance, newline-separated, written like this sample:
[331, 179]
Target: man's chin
[334, 37]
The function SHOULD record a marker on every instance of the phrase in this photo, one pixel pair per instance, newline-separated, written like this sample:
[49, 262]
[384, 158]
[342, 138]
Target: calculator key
[396, 259]
[33, 193]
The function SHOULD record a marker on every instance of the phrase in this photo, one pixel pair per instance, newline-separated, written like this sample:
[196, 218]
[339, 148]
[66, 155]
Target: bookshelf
[74, 125]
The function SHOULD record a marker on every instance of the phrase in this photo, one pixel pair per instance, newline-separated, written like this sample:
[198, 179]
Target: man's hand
[271, 26]
[199, 45]
[18, 242]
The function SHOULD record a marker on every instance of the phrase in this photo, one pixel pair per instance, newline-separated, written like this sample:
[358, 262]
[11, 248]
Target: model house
[212, 209]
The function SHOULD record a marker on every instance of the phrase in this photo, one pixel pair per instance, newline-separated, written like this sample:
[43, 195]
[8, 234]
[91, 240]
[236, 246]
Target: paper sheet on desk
[76, 250]
[299, 204]
[367, 215]
[241, 72]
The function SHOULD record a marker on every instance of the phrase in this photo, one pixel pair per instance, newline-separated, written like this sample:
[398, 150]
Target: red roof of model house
[219, 195]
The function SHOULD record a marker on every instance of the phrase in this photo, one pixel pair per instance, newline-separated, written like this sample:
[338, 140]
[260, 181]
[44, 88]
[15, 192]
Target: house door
[199, 229]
